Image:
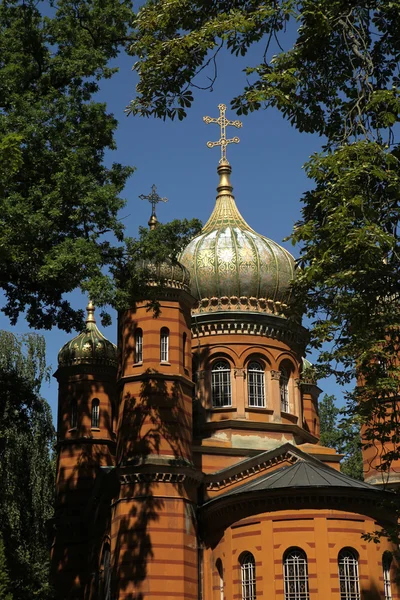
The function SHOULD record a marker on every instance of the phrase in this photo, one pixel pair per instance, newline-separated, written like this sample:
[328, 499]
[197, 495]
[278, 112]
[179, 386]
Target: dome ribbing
[234, 268]
[89, 347]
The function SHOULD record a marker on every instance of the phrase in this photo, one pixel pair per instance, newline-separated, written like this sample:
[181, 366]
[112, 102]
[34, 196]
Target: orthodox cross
[223, 123]
[154, 199]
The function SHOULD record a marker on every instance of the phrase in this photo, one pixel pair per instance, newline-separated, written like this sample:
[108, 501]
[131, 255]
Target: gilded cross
[153, 198]
[223, 124]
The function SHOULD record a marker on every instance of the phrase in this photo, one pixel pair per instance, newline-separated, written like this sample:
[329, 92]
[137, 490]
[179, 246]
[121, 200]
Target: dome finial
[223, 124]
[90, 313]
[154, 199]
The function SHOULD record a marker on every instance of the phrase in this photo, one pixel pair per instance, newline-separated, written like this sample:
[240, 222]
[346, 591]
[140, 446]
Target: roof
[301, 475]
[307, 472]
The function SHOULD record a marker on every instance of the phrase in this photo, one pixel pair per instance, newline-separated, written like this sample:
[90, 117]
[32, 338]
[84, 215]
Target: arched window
[221, 384]
[95, 413]
[220, 571]
[164, 344]
[139, 345]
[184, 337]
[74, 413]
[295, 574]
[284, 390]
[348, 574]
[248, 576]
[387, 586]
[255, 384]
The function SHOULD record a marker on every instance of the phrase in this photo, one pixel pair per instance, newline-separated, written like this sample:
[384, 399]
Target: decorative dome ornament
[233, 268]
[90, 347]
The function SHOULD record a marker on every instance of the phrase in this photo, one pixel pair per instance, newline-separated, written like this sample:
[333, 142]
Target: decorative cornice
[244, 303]
[250, 323]
[250, 471]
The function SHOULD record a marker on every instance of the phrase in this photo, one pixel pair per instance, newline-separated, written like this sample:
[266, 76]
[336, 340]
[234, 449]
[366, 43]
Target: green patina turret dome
[90, 347]
[234, 268]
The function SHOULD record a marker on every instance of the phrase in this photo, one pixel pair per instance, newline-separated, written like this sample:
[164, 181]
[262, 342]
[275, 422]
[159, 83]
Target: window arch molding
[221, 382]
[295, 574]
[247, 575]
[256, 390]
[349, 581]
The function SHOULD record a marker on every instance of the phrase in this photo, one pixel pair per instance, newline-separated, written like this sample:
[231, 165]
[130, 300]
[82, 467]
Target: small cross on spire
[154, 199]
[223, 123]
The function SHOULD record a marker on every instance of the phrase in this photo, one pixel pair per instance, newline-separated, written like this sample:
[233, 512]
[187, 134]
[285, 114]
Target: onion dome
[166, 274]
[234, 268]
[90, 347]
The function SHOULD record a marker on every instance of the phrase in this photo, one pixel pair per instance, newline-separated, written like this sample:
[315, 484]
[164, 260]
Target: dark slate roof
[302, 474]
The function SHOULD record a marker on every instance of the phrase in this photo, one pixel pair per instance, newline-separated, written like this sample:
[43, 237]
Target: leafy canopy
[58, 199]
[330, 67]
[27, 468]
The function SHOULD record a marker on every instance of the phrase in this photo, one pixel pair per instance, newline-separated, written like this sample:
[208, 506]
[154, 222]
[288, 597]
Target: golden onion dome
[234, 268]
[89, 347]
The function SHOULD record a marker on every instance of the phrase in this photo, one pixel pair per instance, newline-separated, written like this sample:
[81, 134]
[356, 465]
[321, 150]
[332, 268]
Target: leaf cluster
[58, 200]
[27, 468]
[341, 432]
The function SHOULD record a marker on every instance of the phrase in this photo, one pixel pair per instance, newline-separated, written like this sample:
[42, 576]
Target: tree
[342, 433]
[59, 202]
[27, 468]
[336, 75]
[4, 576]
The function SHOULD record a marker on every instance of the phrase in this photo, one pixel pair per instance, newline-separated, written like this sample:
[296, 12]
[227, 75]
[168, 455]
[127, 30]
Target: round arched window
[255, 384]
[221, 392]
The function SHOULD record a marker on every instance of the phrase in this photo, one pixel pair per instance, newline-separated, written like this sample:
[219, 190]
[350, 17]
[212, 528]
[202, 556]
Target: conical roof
[89, 347]
[231, 266]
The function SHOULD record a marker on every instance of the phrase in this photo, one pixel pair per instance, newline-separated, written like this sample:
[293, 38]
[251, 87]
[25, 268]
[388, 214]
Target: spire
[90, 313]
[154, 199]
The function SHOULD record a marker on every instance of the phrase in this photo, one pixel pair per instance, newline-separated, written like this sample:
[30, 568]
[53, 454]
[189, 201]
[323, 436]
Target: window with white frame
[95, 413]
[295, 574]
[284, 390]
[221, 392]
[348, 574]
[255, 384]
[248, 576]
[387, 586]
[138, 345]
[164, 344]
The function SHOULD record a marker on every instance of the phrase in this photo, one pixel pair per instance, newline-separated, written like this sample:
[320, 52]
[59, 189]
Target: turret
[86, 375]
[154, 519]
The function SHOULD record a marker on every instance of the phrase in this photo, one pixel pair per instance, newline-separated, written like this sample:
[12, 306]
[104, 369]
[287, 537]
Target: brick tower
[153, 529]
[87, 367]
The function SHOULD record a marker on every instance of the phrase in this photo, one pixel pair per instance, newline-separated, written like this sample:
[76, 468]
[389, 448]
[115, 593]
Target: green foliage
[330, 67]
[341, 432]
[4, 576]
[164, 243]
[58, 200]
[26, 466]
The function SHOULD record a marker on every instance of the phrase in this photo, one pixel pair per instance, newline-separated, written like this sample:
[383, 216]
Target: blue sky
[267, 175]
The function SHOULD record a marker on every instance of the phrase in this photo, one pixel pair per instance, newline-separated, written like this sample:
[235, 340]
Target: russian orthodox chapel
[189, 464]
